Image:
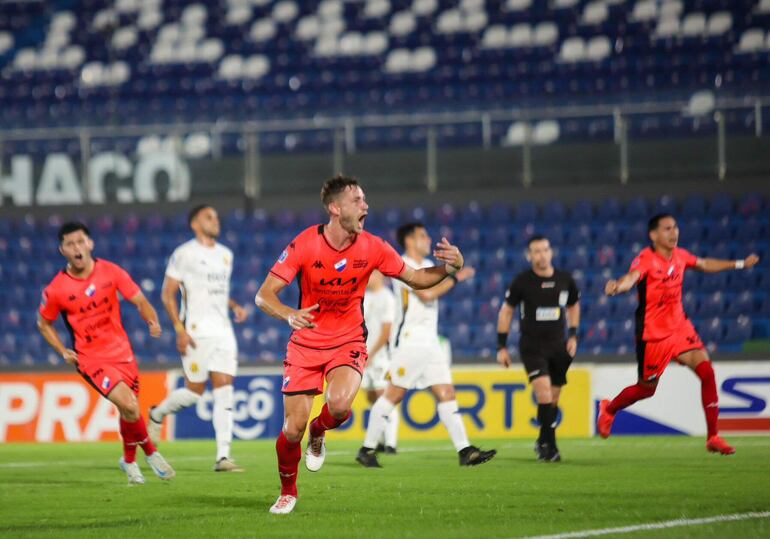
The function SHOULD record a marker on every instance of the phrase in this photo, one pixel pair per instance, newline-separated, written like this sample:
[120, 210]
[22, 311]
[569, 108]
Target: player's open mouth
[362, 218]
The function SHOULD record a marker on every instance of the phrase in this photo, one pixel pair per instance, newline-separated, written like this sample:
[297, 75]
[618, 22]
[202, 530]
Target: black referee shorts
[545, 358]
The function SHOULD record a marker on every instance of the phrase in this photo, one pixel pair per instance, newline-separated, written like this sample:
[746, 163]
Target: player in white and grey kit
[379, 313]
[417, 359]
[201, 270]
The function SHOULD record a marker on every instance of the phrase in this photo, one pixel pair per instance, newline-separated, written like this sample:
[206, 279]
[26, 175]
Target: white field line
[657, 525]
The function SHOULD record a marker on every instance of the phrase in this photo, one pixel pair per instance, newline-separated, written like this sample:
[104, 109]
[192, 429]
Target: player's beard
[211, 233]
[352, 224]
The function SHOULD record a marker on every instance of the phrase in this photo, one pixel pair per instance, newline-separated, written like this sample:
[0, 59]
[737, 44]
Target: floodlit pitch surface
[671, 483]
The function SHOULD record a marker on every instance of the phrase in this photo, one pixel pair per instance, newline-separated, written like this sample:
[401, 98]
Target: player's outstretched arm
[446, 285]
[268, 302]
[148, 314]
[451, 260]
[504, 319]
[51, 336]
[715, 265]
[622, 285]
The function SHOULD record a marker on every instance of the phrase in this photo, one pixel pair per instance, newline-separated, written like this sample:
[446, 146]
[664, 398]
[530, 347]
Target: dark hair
[333, 187]
[533, 239]
[70, 227]
[405, 230]
[195, 211]
[656, 219]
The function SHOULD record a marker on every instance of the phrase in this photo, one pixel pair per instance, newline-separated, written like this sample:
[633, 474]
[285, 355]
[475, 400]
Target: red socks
[289, 455]
[326, 421]
[708, 389]
[135, 434]
[708, 395]
[629, 396]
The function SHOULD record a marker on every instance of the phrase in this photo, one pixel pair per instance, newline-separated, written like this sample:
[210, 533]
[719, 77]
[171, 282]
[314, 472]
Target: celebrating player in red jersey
[86, 295]
[332, 264]
[663, 331]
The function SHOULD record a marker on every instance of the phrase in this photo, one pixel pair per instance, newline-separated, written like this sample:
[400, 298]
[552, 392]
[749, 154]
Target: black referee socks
[546, 416]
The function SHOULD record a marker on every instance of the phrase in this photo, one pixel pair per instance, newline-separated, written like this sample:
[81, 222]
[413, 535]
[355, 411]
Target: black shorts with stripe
[543, 358]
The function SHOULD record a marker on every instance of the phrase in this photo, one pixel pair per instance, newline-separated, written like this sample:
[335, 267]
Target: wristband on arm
[740, 264]
[502, 340]
[572, 332]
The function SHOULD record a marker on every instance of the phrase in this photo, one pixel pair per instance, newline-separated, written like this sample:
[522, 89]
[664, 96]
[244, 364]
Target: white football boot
[132, 471]
[315, 453]
[159, 465]
[284, 505]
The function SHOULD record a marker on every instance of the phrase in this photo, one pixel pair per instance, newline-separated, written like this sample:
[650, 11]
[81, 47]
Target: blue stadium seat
[720, 207]
[694, 207]
[496, 250]
[737, 330]
[742, 304]
[710, 330]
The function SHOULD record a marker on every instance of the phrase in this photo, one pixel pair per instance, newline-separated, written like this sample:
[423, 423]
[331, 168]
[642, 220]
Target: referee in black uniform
[545, 297]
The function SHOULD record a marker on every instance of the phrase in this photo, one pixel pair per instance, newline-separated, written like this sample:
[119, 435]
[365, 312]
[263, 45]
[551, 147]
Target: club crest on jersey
[670, 271]
[106, 382]
[286, 382]
[341, 265]
[91, 290]
[283, 257]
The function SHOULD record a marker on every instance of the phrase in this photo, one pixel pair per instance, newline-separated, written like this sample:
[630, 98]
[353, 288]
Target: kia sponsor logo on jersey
[257, 409]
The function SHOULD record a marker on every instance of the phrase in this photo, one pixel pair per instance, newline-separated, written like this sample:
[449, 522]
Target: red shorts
[305, 369]
[103, 377]
[654, 356]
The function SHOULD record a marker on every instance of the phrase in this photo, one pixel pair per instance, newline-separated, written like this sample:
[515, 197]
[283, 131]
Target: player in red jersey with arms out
[332, 263]
[85, 293]
[663, 331]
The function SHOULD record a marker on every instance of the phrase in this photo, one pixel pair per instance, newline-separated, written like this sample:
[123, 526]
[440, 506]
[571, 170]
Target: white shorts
[419, 366]
[376, 373]
[211, 354]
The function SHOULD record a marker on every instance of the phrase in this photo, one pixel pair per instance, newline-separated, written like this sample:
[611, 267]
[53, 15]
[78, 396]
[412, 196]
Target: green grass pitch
[77, 490]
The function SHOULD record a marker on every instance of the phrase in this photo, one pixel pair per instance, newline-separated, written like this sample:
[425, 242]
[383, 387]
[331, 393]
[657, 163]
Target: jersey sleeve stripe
[280, 277]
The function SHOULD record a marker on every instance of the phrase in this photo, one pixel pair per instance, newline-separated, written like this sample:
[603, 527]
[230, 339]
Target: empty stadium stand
[595, 240]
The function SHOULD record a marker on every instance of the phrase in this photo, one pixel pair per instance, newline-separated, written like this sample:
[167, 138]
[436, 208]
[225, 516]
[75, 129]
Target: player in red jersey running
[85, 293]
[332, 264]
[663, 331]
